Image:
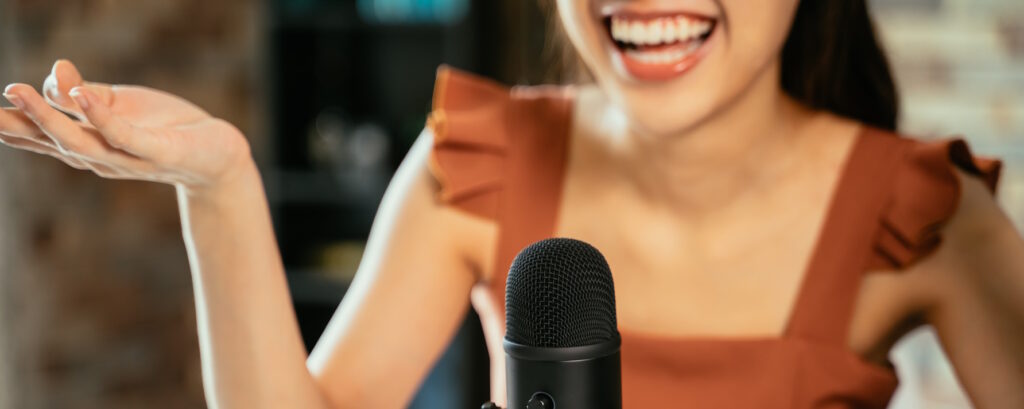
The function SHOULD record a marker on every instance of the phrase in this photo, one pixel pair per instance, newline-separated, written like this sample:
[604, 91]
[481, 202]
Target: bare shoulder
[471, 237]
[976, 272]
[974, 293]
[978, 244]
[981, 248]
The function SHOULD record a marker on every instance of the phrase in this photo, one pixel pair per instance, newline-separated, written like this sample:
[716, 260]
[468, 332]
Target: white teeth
[658, 30]
[705, 27]
[669, 32]
[684, 28]
[696, 30]
[618, 29]
[637, 32]
[654, 32]
[661, 57]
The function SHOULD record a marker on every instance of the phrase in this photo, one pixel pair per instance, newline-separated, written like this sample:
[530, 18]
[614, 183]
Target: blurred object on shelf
[413, 11]
[348, 147]
[341, 260]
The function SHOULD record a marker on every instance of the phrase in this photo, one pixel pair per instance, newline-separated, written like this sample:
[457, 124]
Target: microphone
[561, 340]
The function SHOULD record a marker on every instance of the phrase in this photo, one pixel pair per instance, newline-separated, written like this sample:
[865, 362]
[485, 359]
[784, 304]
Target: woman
[733, 160]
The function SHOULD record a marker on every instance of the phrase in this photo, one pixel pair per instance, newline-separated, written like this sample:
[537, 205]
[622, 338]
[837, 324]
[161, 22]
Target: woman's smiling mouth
[658, 46]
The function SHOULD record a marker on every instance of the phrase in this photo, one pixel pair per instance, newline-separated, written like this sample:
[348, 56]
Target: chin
[664, 114]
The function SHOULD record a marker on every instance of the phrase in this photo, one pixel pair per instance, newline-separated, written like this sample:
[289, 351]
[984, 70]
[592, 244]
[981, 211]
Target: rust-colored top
[501, 154]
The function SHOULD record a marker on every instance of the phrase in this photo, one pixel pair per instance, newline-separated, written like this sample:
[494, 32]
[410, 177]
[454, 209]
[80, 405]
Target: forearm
[251, 349]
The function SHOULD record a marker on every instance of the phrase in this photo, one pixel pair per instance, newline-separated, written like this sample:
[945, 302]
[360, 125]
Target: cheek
[757, 30]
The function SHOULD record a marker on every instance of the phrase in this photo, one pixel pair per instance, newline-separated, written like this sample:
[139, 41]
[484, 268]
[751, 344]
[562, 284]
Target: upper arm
[409, 296]
[976, 293]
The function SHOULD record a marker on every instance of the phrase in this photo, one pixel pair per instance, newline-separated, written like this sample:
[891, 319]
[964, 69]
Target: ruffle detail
[468, 121]
[925, 195]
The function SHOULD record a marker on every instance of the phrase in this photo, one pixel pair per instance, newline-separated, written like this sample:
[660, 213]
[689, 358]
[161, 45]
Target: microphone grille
[560, 293]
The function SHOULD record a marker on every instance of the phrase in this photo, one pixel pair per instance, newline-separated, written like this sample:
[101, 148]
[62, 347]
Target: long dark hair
[831, 60]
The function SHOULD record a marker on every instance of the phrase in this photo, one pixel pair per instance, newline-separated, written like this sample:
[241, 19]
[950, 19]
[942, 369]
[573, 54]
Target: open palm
[121, 132]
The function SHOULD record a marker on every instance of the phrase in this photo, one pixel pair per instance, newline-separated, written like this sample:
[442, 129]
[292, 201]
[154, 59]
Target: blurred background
[95, 296]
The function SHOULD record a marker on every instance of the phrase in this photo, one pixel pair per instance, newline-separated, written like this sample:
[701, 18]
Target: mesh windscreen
[560, 294]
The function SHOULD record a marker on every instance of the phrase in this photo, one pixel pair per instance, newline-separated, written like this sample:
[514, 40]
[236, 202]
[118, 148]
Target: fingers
[14, 123]
[108, 171]
[68, 136]
[118, 133]
[36, 147]
[62, 79]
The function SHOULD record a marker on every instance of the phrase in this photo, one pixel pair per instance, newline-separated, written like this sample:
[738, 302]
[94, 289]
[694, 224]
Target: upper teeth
[658, 30]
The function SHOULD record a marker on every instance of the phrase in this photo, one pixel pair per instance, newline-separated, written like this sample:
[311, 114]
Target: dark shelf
[312, 287]
[325, 61]
[323, 187]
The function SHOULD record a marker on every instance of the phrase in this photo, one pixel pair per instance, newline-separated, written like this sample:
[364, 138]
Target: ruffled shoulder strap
[500, 150]
[925, 194]
[894, 198]
[469, 124]
[500, 153]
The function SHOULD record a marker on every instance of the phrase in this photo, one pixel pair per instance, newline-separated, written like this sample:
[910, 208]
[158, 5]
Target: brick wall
[6, 234]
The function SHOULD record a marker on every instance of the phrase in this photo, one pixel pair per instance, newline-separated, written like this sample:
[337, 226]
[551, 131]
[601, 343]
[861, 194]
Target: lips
[658, 46]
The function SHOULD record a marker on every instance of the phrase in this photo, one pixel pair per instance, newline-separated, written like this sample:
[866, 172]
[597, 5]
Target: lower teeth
[663, 57]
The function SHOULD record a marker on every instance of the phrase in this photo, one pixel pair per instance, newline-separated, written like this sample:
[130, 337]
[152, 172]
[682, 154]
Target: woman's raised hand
[122, 132]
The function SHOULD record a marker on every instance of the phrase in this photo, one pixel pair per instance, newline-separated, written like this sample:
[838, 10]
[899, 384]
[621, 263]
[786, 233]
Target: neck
[713, 163]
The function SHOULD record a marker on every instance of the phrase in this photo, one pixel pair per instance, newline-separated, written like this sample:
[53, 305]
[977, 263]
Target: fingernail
[15, 100]
[80, 98]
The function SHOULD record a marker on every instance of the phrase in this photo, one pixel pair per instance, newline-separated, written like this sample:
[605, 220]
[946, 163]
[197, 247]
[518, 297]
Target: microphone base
[594, 383]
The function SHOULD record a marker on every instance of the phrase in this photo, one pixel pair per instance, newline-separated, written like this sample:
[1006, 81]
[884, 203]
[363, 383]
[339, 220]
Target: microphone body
[573, 378]
[562, 340]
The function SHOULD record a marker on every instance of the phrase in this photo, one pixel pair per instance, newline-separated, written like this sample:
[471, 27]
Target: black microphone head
[560, 294]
